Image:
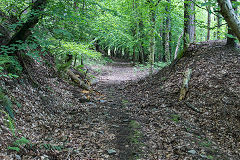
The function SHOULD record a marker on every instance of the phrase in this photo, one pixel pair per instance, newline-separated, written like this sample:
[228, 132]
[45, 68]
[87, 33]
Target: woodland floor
[131, 116]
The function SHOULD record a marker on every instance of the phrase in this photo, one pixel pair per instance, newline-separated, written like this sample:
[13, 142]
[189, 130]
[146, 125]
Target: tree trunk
[152, 37]
[126, 54]
[167, 31]
[219, 22]
[230, 40]
[141, 48]
[75, 79]
[112, 52]
[109, 51]
[230, 16]
[141, 53]
[162, 55]
[189, 23]
[134, 55]
[25, 31]
[208, 22]
[178, 45]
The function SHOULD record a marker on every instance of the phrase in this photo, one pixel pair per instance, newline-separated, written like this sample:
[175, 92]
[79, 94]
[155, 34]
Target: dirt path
[124, 126]
[118, 72]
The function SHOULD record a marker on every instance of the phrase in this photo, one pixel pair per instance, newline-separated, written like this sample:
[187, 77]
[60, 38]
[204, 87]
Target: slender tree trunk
[208, 22]
[231, 41]
[192, 26]
[134, 30]
[134, 55]
[219, 22]
[189, 23]
[141, 53]
[167, 31]
[83, 5]
[123, 53]
[115, 52]
[163, 35]
[230, 16]
[141, 48]
[109, 51]
[152, 37]
[178, 45]
[97, 46]
[170, 44]
[126, 54]
[112, 52]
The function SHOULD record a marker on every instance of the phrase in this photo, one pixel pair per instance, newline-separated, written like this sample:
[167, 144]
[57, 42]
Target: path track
[118, 72]
[111, 82]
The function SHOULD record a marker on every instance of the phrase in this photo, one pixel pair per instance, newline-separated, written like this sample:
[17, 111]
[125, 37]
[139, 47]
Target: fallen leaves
[141, 119]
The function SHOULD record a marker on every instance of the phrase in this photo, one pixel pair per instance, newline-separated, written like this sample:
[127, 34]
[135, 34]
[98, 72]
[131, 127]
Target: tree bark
[178, 44]
[231, 41]
[208, 22]
[152, 36]
[25, 31]
[134, 55]
[167, 31]
[74, 78]
[185, 86]
[141, 48]
[163, 35]
[230, 16]
[189, 23]
[219, 22]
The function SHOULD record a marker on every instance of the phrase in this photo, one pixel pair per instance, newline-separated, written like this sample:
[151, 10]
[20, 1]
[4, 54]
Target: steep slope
[204, 125]
[50, 113]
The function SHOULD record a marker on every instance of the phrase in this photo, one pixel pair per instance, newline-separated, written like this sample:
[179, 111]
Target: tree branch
[201, 7]
[25, 31]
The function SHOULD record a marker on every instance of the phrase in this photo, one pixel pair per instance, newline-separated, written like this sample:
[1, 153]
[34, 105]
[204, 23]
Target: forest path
[118, 72]
[149, 122]
[130, 119]
[126, 128]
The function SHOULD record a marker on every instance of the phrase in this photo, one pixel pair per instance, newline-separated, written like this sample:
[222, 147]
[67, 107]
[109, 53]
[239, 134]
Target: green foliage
[78, 50]
[6, 104]
[52, 147]
[10, 65]
[61, 67]
[14, 148]
[180, 54]
[125, 25]
[107, 60]
[159, 65]
[175, 117]
[9, 122]
[19, 143]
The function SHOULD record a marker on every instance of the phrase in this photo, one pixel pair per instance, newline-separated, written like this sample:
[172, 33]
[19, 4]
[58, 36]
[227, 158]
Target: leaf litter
[134, 117]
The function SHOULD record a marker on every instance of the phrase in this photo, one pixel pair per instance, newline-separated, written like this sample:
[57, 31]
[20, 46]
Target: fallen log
[185, 87]
[75, 79]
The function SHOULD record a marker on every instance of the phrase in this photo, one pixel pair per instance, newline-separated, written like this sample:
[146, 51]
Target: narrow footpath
[127, 143]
